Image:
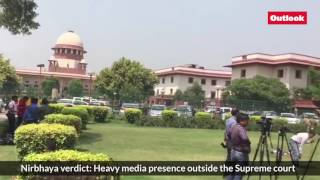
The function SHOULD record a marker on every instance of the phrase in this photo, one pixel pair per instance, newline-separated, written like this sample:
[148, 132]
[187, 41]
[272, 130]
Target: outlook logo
[287, 17]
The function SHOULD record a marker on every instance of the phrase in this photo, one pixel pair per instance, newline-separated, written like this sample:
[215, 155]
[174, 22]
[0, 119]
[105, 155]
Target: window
[163, 80]
[213, 82]
[213, 94]
[27, 81]
[203, 81]
[190, 80]
[280, 73]
[74, 51]
[36, 82]
[36, 86]
[172, 79]
[298, 74]
[69, 51]
[227, 83]
[157, 92]
[171, 91]
[243, 73]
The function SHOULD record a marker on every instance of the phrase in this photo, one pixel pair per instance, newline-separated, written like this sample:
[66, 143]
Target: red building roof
[305, 104]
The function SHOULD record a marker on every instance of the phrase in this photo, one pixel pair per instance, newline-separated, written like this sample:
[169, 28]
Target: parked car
[223, 111]
[71, 102]
[269, 115]
[129, 105]
[156, 110]
[290, 117]
[210, 109]
[184, 110]
[308, 115]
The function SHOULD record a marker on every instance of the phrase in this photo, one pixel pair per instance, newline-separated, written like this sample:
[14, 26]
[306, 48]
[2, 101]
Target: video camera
[265, 124]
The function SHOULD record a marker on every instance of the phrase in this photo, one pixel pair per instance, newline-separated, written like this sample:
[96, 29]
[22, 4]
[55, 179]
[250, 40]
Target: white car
[156, 110]
[290, 117]
[129, 105]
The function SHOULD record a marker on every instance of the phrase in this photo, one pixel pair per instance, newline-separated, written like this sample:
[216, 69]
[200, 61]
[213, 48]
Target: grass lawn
[122, 141]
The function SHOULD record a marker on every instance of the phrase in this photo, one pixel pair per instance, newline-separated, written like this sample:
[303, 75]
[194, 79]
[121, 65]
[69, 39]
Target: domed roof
[70, 38]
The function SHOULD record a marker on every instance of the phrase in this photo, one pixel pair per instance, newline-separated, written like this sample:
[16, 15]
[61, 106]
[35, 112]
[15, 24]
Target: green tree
[9, 81]
[312, 91]
[18, 16]
[269, 90]
[48, 84]
[178, 95]
[194, 95]
[130, 93]
[75, 88]
[126, 73]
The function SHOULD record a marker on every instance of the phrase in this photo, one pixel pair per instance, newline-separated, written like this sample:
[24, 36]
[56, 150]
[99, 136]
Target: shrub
[169, 116]
[66, 155]
[203, 120]
[227, 116]
[70, 156]
[36, 138]
[132, 115]
[255, 118]
[70, 120]
[100, 113]
[278, 123]
[89, 109]
[56, 108]
[80, 112]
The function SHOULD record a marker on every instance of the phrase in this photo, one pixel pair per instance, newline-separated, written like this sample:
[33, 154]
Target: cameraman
[229, 123]
[240, 143]
[296, 144]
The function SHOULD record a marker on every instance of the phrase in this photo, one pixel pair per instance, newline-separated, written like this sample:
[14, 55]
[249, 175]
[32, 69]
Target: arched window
[74, 52]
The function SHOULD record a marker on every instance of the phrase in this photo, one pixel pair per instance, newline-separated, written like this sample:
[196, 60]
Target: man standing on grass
[227, 139]
[11, 115]
[240, 143]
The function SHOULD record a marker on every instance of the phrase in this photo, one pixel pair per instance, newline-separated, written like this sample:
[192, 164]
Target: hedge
[69, 120]
[66, 155]
[56, 108]
[132, 115]
[88, 108]
[3, 128]
[78, 111]
[36, 138]
[169, 116]
[100, 113]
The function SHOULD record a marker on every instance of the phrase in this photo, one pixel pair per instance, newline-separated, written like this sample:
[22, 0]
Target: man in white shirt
[11, 114]
[297, 142]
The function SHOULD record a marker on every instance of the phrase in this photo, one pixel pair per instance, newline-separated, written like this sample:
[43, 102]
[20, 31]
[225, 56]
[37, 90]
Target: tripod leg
[289, 148]
[256, 153]
[262, 152]
[268, 155]
[271, 145]
[309, 162]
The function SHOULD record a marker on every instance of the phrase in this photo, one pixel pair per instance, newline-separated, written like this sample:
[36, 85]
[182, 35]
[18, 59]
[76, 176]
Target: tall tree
[259, 88]
[194, 95]
[9, 81]
[312, 91]
[18, 16]
[48, 84]
[75, 88]
[178, 95]
[126, 73]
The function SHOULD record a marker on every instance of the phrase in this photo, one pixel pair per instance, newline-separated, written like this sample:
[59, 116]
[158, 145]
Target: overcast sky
[163, 33]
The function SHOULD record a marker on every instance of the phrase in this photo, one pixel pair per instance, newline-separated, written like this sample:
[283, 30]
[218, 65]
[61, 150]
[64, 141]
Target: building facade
[291, 69]
[66, 64]
[181, 77]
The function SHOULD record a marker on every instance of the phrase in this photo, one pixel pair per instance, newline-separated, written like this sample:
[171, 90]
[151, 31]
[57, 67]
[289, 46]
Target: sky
[165, 33]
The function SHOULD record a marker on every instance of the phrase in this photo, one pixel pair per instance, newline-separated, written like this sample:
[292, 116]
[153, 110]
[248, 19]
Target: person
[296, 144]
[22, 106]
[229, 123]
[31, 115]
[240, 143]
[11, 114]
[44, 109]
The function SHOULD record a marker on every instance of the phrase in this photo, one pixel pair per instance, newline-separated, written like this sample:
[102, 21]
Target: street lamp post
[90, 86]
[40, 66]
[113, 101]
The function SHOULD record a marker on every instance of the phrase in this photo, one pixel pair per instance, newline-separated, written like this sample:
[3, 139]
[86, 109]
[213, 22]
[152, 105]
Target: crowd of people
[238, 144]
[25, 111]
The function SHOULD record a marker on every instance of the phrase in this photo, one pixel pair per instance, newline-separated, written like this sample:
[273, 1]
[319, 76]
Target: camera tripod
[310, 160]
[282, 138]
[262, 147]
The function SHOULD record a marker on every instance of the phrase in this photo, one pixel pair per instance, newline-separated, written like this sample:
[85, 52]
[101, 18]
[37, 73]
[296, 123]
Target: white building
[291, 69]
[182, 77]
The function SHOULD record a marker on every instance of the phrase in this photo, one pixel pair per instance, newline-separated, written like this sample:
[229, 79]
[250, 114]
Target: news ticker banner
[131, 168]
